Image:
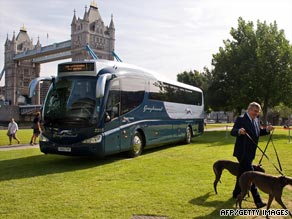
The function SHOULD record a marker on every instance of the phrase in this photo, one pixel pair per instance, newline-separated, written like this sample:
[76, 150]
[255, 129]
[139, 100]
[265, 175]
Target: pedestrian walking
[36, 129]
[12, 130]
[247, 130]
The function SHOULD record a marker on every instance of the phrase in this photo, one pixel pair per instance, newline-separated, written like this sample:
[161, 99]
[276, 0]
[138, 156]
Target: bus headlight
[93, 140]
[43, 138]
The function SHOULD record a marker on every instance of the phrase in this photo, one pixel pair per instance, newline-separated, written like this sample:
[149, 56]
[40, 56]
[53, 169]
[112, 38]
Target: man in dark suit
[245, 148]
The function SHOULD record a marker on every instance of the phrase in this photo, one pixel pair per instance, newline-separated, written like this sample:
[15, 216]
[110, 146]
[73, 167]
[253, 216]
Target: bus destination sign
[73, 67]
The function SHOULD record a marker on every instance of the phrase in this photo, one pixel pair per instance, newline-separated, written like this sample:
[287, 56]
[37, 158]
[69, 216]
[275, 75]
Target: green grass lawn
[216, 125]
[24, 136]
[174, 181]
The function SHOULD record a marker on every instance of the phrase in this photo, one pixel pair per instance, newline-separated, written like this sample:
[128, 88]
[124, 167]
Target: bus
[101, 107]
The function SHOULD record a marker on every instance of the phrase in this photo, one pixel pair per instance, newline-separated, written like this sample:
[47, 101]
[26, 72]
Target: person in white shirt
[12, 129]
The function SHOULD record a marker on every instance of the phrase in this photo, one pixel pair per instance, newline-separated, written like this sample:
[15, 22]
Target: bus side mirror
[100, 84]
[33, 84]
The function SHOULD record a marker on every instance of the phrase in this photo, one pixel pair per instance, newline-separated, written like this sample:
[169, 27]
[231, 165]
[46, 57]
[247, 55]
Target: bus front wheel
[188, 136]
[137, 145]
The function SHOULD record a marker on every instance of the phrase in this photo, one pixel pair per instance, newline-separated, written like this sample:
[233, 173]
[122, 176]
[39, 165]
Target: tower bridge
[53, 52]
[23, 59]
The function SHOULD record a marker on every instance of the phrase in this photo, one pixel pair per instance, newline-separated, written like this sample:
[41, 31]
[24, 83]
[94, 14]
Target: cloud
[164, 36]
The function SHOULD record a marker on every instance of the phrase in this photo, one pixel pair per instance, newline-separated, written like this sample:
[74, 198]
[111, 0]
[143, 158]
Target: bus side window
[132, 93]
[113, 101]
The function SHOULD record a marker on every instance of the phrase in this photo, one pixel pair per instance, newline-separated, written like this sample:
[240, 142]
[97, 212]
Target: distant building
[220, 117]
[44, 87]
[2, 92]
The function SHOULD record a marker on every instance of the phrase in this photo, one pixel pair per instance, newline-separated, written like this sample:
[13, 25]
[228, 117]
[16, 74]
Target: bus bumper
[79, 149]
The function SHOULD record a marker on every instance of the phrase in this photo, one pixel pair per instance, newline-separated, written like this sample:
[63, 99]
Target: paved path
[17, 147]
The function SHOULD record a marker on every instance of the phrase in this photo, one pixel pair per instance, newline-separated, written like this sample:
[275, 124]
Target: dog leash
[278, 159]
[265, 155]
[270, 138]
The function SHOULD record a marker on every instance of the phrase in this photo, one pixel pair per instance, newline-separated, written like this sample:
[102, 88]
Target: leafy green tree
[254, 66]
[194, 78]
[284, 111]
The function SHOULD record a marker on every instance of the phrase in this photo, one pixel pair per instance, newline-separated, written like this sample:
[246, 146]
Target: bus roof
[121, 68]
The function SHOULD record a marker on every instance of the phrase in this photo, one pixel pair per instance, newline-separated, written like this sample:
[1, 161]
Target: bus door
[132, 96]
[112, 119]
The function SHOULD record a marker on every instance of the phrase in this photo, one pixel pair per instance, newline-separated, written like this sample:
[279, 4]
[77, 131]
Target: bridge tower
[18, 74]
[92, 30]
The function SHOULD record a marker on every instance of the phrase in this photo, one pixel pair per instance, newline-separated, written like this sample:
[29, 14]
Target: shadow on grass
[39, 165]
[218, 205]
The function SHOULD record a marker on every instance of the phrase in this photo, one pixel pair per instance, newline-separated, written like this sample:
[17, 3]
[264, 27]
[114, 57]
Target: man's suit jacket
[244, 147]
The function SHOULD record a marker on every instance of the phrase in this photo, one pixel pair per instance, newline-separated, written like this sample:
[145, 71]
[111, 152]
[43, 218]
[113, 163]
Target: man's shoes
[260, 204]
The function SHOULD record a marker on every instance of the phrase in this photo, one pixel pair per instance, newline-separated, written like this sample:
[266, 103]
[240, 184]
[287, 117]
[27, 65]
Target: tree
[284, 111]
[254, 66]
[193, 78]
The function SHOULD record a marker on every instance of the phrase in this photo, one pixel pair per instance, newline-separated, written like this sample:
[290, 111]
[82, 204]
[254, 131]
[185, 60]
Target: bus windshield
[72, 100]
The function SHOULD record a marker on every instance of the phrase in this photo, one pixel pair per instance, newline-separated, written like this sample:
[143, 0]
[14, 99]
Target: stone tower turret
[91, 30]
[112, 34]
[18, 74]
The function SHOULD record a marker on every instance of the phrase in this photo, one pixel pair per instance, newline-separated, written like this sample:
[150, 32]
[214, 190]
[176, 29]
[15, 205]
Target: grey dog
[272, 185]
[231, 166]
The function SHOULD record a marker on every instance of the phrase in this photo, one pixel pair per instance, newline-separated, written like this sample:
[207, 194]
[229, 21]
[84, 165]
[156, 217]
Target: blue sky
[164, 36]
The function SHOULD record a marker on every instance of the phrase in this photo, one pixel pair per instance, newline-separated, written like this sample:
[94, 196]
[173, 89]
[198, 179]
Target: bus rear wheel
[188, 136]
[137, 145]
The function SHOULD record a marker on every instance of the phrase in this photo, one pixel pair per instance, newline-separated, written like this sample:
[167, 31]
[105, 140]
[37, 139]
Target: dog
[231, 166]
[272, 185]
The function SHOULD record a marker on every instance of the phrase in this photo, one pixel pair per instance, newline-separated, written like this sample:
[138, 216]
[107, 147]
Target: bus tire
[188, 135]
[137, 145]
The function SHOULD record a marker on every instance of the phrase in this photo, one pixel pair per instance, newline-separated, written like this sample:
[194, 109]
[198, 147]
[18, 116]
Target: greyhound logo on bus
[66, 133]
[152, 109]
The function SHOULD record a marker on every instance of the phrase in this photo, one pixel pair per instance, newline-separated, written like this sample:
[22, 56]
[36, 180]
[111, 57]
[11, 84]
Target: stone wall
[6, 112]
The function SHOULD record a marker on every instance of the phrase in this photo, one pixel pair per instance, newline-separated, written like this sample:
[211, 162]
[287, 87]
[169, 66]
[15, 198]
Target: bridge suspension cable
[92, 54]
